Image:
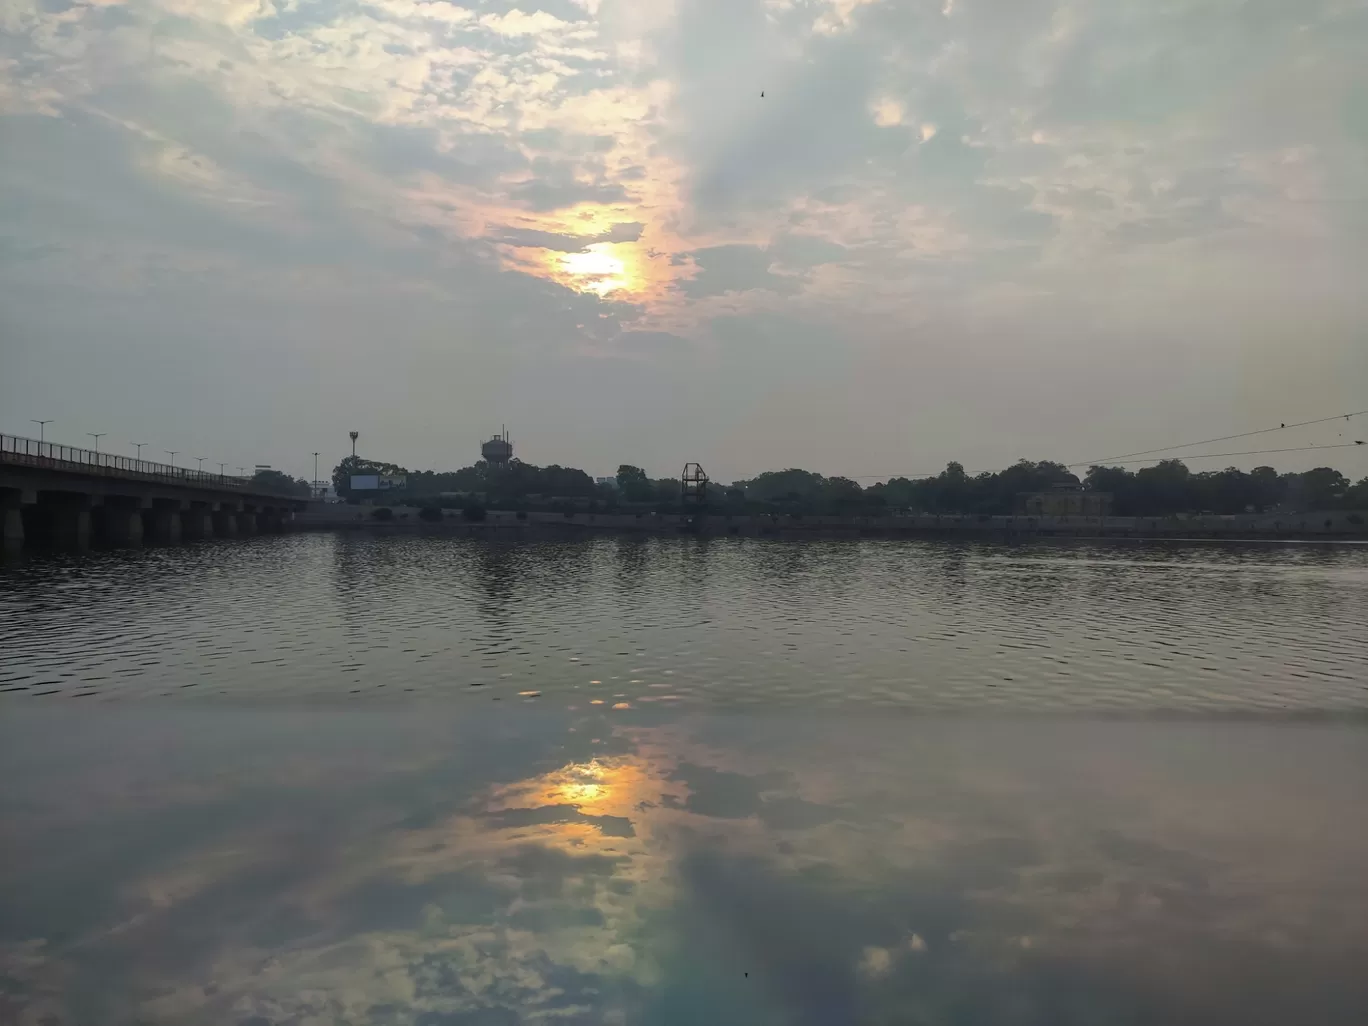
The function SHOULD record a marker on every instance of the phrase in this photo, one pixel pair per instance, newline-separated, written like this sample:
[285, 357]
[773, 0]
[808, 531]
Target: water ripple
[630, 622]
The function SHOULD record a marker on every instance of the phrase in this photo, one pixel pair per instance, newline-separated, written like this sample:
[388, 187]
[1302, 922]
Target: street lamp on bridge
[41, 424]
[138, 446]
[172, 454]
[97, 435]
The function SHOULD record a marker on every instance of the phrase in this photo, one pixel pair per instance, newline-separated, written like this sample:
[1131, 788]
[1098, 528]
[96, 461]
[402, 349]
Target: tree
[356, 465]
[281, 484]
[1265, 488]
[628, 475]
[1225, 491]
[1324, 488]
[785, 486]
[1106, 479]
[1356, 497]
[1164, 489]
[634, 485]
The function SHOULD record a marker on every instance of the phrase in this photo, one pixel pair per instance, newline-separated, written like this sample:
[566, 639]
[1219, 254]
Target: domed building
[498, 451]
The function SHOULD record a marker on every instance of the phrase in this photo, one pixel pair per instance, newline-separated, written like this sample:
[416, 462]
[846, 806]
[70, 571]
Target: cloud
[888, 112]
[875, 961]
[939, 165]
[558, 192]
[518, 23]
[734, 268]
[608, 826]
[627, 231]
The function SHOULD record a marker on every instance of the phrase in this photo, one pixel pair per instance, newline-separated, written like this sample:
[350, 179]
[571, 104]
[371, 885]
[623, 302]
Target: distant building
[1064, 502]
[606, 482]
[498, 451]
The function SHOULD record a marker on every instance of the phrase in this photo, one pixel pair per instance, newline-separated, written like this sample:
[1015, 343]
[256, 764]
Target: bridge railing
[15, 449]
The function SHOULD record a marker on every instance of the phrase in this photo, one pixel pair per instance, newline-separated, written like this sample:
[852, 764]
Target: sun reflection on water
[599, 787]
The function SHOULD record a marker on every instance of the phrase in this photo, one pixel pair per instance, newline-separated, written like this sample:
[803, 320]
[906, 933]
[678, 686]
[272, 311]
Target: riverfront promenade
[1334, 525]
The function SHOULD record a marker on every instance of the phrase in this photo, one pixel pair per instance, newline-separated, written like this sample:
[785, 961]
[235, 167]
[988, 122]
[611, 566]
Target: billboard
[377, 482]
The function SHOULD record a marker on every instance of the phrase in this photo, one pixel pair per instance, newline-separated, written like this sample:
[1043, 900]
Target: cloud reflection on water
[522, 864]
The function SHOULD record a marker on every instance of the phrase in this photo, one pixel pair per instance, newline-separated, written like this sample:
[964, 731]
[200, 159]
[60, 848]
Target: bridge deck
[16, 451]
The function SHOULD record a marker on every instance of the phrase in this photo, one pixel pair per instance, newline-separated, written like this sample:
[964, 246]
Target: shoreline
[1319, 527]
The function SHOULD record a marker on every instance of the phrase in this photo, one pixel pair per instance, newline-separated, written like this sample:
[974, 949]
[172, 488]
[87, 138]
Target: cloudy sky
[950, 229]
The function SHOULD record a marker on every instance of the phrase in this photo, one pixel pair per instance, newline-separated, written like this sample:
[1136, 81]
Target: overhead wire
[1129, 456]
[1247, 452]
[1210, 441]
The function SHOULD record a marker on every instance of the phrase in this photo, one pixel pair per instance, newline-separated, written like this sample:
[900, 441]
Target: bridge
[59, 496]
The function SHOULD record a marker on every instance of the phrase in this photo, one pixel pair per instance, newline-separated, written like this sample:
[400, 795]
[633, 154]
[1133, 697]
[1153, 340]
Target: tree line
[515, 481]
[1166, 488]
[281, 484]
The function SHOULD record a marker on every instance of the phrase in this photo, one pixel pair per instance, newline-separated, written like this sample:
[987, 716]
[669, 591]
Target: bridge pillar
[246, 522]
[11, 520]
[197, 522]
[162, 523]
[270, 521]
[121, 523]
[71, 525]
[12, 528]
[225, 521]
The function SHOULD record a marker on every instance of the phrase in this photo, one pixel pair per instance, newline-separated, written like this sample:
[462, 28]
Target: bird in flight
[762, 94]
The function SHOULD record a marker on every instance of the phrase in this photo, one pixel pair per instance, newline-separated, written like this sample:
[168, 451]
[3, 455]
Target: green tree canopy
[280, 483]
[634, 485]
[1162, 489]
[357, 465]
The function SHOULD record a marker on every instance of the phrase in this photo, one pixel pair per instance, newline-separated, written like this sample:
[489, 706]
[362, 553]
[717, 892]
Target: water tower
[498, 451]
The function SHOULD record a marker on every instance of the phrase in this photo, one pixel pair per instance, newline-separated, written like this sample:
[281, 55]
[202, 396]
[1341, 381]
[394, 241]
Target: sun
[601, 268]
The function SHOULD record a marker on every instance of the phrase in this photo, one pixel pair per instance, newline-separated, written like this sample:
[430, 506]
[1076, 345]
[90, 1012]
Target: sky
[973, 230]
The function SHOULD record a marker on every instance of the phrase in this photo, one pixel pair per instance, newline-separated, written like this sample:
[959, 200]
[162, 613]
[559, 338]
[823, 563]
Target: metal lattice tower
[693, 485]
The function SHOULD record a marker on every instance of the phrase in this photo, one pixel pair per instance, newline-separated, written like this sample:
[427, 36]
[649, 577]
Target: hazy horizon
[972, 230]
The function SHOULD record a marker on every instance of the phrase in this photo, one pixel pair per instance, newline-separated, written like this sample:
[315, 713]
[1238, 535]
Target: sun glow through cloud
[598, 268]
[862, 201]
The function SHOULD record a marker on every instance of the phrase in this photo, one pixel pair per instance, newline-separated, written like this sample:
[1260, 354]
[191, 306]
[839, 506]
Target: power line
[1223, 438]
[1125, 457]
[1247, 452]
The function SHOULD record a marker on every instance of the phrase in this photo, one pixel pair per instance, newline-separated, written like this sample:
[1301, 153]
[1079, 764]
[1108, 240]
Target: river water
[337, 779]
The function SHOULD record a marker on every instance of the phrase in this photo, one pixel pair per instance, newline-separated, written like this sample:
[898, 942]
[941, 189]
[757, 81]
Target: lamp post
[315, 477]
[221, 466]
[354, 435]
[199, 461]
[138, 446]
[172, 454]
[97, 435]
[41, 424]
